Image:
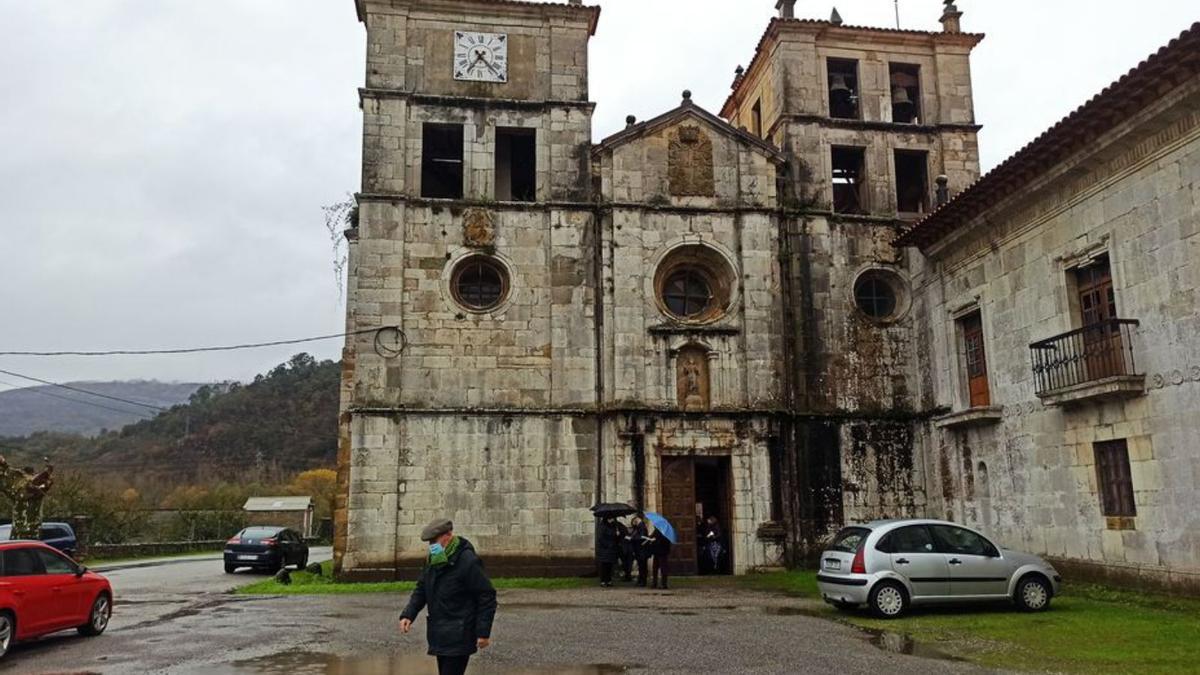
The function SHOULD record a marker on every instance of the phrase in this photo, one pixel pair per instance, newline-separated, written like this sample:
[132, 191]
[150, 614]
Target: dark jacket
[461, 601]
[607, 542]
[659, 546]
[637, 537]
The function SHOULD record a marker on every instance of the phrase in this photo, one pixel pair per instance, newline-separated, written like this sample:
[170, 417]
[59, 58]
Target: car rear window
[259, 532]
[849, 539]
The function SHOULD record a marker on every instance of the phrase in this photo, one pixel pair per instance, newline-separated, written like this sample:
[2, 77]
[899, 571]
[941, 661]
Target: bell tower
[473, 239]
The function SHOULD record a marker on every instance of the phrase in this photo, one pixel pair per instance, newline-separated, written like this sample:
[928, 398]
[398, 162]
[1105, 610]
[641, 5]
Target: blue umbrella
[663, 526]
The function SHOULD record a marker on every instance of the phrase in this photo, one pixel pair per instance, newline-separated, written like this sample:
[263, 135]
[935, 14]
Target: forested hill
[282, 422]
[45, 408]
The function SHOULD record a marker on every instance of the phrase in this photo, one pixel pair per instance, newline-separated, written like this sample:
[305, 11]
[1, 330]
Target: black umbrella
[613, 510]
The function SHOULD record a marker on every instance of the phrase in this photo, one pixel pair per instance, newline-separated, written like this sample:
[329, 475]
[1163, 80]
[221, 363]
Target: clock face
[480, 57]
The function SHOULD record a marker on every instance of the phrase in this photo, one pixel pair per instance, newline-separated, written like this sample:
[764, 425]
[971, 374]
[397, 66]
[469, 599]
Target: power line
[84, 391]
[73, 400]
[193, 350]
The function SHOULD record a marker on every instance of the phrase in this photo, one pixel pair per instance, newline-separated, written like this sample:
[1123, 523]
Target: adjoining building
[1060, 299]
[700, 315]
[292, 512]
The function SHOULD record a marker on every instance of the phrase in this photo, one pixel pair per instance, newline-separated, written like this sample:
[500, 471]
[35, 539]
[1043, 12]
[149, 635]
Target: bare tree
[26, 491]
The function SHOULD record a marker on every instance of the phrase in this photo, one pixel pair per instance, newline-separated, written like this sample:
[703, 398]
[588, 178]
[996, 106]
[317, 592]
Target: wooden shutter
[976, 361]
[1115, 481]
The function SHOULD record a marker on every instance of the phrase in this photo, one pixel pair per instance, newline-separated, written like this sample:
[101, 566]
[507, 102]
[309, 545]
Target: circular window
[877, 294]
[694, 284]
[687, 293]
[479, 283]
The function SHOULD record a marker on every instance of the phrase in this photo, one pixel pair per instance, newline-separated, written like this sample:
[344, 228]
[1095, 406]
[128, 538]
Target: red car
[42, 591]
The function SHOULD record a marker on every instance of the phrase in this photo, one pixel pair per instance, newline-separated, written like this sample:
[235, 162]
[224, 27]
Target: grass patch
[304, 583]
[1090, 629]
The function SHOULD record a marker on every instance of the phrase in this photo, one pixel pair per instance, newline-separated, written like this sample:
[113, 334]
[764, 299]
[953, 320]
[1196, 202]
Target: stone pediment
[689, 114]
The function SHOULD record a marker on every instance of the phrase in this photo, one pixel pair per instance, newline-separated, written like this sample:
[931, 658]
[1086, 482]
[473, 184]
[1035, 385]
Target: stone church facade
[701, 314]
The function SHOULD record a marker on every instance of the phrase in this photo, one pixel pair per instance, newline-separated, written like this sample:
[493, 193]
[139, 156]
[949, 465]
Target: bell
[838, 85]
[903, 108]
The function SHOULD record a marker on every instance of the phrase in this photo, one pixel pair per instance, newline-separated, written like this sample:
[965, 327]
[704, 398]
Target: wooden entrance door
[1102, 346]
[977, 376]
[679, 507]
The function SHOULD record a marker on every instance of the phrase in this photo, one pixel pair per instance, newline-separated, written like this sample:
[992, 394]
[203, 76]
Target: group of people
[630, 544]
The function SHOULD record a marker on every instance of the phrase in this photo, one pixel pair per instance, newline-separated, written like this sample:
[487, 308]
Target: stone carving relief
[692, 378]
[690, 162]
[1175, 378]
[479, 228]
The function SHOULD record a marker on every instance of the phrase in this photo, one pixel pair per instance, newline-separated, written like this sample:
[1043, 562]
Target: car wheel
[1033, 594]
[8, 630]
[888, 600]
[99, 616]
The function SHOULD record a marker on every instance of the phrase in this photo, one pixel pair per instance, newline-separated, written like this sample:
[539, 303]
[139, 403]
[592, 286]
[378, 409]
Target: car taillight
[234, 540]
[270, 541]
[859, 566]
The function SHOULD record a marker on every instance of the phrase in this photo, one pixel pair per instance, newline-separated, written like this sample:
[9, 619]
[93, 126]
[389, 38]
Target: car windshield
[5, 532]
[259, 532]
[849, 539]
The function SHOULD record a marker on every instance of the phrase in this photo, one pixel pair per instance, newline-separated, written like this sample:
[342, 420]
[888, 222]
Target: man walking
[460, 597]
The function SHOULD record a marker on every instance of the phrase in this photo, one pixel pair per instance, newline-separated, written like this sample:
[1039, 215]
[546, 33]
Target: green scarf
[444, 557]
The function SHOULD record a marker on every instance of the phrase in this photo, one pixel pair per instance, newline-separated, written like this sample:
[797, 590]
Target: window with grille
[479, 283]
[1114, 479]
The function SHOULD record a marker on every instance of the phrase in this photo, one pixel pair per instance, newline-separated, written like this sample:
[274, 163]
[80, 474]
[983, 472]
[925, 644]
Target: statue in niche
[692, 382]
[690, 162]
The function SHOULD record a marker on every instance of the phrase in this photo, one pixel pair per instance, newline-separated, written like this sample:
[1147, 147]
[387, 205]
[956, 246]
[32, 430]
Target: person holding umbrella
[639, 537]
[608, 538]
[660, 547]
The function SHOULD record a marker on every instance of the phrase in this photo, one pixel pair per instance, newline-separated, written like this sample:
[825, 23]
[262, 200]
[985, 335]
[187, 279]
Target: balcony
[1092, 363]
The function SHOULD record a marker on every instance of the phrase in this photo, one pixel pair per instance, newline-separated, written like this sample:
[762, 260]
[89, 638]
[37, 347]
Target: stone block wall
[1030, 478]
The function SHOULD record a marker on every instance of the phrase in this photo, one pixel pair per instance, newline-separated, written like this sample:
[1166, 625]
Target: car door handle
[902, 561]
[955, 561]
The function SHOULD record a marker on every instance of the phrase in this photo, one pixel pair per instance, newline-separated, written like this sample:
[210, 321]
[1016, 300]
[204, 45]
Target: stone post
[83, 536]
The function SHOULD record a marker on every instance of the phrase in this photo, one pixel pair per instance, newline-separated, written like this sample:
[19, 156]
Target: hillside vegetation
[283, 422]
[53, 409]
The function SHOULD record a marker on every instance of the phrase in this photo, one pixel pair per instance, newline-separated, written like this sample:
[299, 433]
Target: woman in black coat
[608, 542]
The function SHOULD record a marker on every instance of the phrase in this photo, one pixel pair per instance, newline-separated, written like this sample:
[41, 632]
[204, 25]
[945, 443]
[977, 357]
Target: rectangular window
[1114, 480]
[516, 165]
[912, 181]
[843, 88]
[849, 180]
[906, 92]
[442, 161]
[975, 360]
[756, 125]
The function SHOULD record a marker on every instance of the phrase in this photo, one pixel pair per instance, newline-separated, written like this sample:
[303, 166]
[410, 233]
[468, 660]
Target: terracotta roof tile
[1180, 59]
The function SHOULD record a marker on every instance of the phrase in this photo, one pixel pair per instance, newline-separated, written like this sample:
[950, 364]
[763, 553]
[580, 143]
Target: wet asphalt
[179, 618]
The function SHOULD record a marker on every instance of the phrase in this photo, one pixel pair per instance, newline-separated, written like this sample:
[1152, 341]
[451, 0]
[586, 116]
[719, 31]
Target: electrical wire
[84, 391]
[16, 387]
[193, 350]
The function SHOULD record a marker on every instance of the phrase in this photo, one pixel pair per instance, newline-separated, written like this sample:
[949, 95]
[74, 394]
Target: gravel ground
[574, 632]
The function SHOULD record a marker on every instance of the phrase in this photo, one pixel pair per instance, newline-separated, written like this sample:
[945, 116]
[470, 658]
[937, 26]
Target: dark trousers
[627, 563]
[662, 564]
[606, 572]
[641, 565]
[452, 665]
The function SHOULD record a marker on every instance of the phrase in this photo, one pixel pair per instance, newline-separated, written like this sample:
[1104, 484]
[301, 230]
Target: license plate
[247, 557]
[831, 564]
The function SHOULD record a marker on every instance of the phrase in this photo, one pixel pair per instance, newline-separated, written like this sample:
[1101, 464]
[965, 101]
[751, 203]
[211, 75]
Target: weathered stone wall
[1030, 478]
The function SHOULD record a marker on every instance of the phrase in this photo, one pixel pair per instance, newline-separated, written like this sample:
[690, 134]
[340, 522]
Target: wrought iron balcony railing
[1095, 352]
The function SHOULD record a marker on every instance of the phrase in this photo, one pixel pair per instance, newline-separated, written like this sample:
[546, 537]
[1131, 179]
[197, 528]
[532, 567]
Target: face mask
[436, 548]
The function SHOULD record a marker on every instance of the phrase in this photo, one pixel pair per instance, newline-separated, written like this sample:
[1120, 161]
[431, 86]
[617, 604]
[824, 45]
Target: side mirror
[80, 571]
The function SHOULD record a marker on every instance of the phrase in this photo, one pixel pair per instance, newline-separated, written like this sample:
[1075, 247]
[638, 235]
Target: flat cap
[436, 528]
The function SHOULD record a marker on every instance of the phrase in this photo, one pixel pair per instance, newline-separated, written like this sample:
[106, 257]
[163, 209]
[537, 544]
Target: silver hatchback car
[889, 565]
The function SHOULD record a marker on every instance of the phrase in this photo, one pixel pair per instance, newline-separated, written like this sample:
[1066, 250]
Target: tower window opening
[906, 93]
[442, 161]
[849, 180]
[912, 181]
[843, 88]
[516, 164]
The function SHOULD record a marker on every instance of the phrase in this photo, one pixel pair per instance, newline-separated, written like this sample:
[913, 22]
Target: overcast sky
[163, 163]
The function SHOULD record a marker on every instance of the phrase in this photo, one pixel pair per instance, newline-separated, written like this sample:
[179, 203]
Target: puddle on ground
[312, 663]
[790, 611]
[898, 643]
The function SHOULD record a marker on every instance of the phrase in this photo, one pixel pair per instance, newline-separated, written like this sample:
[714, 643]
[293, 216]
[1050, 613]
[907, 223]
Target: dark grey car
[889, 565]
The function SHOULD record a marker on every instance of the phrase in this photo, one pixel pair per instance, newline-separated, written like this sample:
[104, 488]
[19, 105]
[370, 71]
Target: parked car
[58, 535]
[890, 565]
[42, 591]
[265, 548]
